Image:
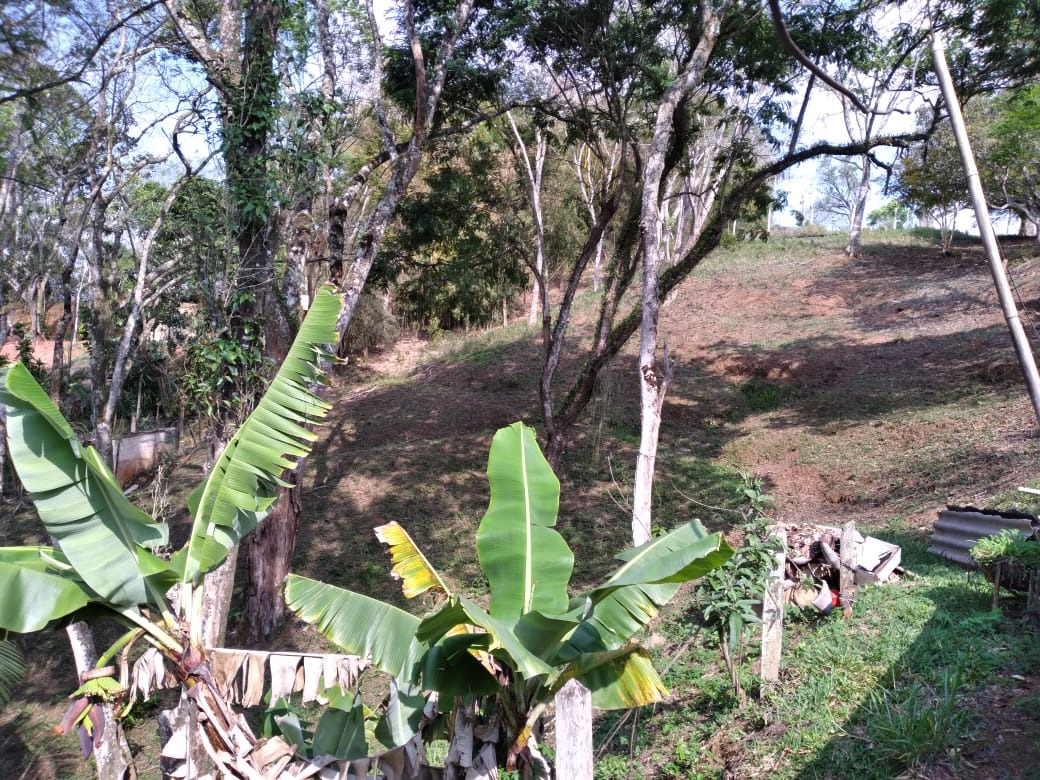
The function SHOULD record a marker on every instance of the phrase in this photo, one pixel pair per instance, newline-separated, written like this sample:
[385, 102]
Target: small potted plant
[1010, 560]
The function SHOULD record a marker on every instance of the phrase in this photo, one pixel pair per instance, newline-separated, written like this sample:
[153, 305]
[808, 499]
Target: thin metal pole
[989, 238]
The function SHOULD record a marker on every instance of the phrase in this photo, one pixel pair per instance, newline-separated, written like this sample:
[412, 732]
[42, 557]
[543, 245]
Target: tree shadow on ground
[414, 450]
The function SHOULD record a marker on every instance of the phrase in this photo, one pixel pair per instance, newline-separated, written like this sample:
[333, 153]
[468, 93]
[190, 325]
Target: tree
[838, 184]
[455, 255]
[892, 216]
[931, 181]
[1008, 149]
[720, 150]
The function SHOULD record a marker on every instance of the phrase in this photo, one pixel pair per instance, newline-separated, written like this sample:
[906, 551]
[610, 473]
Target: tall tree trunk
[859, 207]
[654, 377]
[532, 170]
[269, 558]
[61, 332]
[248, 124]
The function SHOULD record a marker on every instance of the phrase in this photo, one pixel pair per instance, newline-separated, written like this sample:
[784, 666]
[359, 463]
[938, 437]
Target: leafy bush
[1008, 546]
[730, 594]
[371, 326]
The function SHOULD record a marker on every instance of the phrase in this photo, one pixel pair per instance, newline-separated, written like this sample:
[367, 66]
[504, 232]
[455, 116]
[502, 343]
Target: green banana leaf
[12, 669]
[683, 554]
[243, 484]
[630, 598]
[340, 731]
[527, 563]
[502, 641]
[403, 714]
[34, 592]
[451, 669]
[505, 642]
[359, 624]
[78, 499]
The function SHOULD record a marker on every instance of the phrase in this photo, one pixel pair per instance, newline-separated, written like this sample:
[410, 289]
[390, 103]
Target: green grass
[887, 691]
[761, 395]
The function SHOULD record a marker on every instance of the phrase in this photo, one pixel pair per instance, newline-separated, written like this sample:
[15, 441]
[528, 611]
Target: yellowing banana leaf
[527, 563]
[79, 501]
[243, 484]
[358, 624]
[33, 593]
[621, 679]
[416, 573]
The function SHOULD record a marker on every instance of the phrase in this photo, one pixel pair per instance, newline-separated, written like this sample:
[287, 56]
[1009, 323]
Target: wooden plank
[773, 613]
[574, 732]
[850, 544]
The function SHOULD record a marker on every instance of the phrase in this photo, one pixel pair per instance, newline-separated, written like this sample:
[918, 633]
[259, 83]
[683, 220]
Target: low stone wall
[139, 452]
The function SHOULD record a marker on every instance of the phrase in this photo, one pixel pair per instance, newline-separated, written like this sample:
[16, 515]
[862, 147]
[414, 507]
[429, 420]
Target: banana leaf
[12, 669]
[77, 497]
[502, 641]
[403, 715]
[621, 679]
[527, 563]
[243, 484]
[630, 598]
[451, 669]
[358, 624]
[340, 731]
[36, 592]
[416, 573]
[683, 554]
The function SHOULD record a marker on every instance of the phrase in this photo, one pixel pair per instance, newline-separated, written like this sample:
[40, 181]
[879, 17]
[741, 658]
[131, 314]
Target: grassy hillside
[876, 389]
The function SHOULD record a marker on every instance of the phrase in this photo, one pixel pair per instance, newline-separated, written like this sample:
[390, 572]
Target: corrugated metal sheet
[958, 528]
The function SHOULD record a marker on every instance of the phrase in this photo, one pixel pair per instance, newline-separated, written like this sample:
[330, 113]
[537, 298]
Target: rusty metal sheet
[958, 528]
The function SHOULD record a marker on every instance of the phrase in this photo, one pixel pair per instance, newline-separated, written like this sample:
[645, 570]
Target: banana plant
[533, 637]
[105, 561]
[12, 669]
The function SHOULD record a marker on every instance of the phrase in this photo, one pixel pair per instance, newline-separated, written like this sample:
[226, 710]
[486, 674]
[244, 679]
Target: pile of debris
[824, 565]
[820, 567]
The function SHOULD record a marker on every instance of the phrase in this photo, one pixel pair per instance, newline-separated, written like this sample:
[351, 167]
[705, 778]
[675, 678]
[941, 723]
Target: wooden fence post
[773, 612]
